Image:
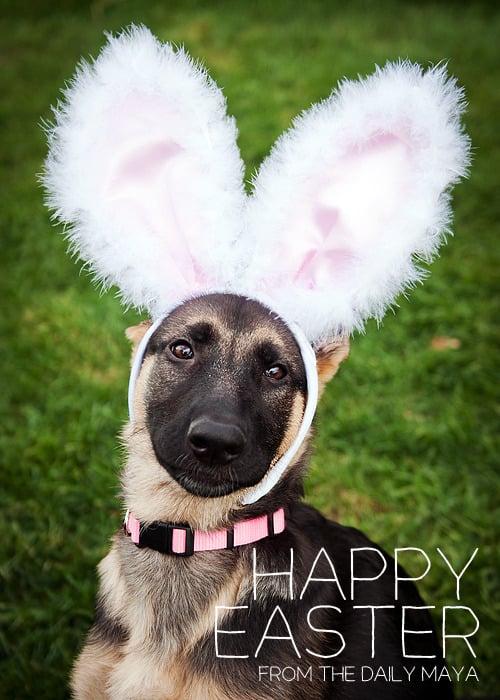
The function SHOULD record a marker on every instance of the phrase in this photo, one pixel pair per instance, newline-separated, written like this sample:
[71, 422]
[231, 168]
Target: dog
[223, 584]
[219, 398]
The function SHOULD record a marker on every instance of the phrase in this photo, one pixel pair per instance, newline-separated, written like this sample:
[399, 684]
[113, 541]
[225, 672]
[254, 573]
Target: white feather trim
[353, 195]
[144, 169]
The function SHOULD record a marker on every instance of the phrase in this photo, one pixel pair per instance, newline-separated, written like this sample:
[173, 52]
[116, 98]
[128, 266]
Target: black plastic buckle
[189, 550]
[158, 536]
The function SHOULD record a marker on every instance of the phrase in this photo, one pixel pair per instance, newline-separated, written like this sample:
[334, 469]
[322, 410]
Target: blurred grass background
[407, 445]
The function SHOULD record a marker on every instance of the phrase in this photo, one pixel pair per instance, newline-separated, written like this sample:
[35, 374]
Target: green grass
[407, 444]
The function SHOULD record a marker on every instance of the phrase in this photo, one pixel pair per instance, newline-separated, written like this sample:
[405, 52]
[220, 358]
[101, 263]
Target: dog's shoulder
[363, 568]
[313, 531]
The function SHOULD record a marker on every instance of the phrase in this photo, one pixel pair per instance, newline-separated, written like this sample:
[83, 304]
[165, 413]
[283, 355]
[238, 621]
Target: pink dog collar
[181, 540]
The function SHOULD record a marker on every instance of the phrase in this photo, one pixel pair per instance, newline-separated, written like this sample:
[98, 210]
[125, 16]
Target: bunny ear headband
[144, 168]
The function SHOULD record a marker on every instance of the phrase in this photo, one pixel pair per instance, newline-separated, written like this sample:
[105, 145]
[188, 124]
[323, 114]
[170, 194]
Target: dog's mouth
[210, 480]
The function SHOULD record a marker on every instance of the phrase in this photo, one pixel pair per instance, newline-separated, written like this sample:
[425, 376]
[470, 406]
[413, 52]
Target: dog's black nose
[215, 441]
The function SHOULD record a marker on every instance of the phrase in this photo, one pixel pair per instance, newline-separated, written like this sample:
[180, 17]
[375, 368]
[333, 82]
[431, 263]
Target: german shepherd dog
[219, 398]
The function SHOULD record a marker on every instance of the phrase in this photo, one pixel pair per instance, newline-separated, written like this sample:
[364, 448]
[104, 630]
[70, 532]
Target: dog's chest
[173, 599]
[170, 608]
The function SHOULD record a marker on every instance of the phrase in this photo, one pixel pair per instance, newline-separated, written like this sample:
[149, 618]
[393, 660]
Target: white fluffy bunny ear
[144, 168]
[353, 195]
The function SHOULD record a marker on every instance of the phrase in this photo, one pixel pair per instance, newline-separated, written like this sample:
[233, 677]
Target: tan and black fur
[213, 362]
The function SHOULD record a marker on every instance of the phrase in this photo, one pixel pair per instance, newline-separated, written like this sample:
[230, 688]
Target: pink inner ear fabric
[143, 162]
[325, 219]
[151, 181]
[343, 217]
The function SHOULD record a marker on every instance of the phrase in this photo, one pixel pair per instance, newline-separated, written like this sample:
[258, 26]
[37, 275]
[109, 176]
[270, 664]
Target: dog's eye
[276, 372]
[182, 350]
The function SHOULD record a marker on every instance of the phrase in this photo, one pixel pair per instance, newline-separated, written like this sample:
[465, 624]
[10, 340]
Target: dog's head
[222, 393]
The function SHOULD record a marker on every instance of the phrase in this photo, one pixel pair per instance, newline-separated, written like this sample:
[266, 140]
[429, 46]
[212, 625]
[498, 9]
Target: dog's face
[225, 393]
[219, 399]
